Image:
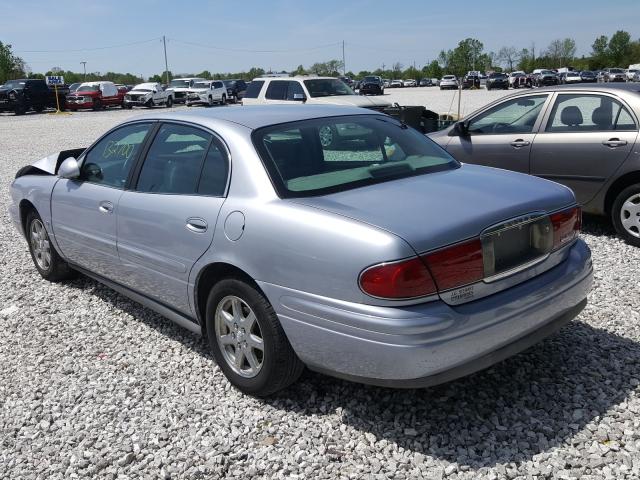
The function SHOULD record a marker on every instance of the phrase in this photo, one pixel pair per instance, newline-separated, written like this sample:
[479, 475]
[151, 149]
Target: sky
[223, 36]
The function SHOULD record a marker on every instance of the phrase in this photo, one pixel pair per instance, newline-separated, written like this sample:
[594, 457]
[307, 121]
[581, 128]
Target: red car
[96, 95]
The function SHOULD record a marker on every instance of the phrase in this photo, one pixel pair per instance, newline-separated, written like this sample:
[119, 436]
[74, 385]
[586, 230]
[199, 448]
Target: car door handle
[105, 207]
[520, 143]
[196, 225]
[614, 142]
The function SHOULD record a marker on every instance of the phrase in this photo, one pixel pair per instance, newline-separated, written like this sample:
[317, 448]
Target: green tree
[11, 66]
[432, 70]
[599, 53]
[620, 48]
[508, 56]
[299, 71]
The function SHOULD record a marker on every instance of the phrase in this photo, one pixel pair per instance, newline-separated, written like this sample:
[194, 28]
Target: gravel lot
[93, 385]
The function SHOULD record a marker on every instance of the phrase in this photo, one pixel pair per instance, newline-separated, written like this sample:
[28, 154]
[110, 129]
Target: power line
[246, 50]
[90, 49]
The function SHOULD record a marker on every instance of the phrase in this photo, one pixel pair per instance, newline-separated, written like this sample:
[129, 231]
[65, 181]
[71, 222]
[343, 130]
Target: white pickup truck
[148, 95]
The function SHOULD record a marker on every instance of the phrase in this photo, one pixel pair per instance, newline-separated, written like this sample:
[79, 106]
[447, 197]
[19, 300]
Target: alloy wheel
[40, 245]
[630, 215]
[239, 336]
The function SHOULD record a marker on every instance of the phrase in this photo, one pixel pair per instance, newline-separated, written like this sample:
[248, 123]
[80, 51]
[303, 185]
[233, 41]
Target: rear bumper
[431, 343]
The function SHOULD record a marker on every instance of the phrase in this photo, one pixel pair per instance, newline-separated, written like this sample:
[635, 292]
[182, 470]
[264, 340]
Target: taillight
[457, 265]
[566, 226]
[404, 279]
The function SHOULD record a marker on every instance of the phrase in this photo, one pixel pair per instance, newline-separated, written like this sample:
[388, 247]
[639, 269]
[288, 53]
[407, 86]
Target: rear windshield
[327, 87]
[88, 88]
[616, 70]
[320, 156]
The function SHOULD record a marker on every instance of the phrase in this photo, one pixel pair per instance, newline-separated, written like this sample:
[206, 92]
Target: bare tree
[509, 56]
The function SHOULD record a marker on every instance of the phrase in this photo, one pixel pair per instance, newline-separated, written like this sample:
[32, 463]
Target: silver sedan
[377, 258]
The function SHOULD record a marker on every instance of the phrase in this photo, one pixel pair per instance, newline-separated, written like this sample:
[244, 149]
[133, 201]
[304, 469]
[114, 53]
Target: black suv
[235, 89]
[498, 80]
[371, 85]
[22, 95]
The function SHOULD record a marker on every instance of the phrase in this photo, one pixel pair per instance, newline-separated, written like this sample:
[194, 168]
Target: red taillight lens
[457, 265]
[566, 226]
[405, 279]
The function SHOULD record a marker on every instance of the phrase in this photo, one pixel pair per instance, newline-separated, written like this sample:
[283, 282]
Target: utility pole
[344, 65]
[84, 67]
[383, 65]
[166, 65]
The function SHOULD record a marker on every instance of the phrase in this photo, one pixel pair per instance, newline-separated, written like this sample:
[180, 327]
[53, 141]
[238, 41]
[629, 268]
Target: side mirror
[299, 97]
[462, 128]
[69, 169]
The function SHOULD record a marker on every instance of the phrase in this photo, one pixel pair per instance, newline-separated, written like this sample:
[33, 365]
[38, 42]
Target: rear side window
[253, 89]
[213, 180]
[174, 161]
[589, 113]
[218, 85]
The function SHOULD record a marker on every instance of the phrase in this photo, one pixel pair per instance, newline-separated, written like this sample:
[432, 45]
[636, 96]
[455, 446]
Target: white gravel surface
[92, 385]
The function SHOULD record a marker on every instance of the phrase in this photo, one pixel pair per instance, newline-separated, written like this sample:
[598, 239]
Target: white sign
[55, 80]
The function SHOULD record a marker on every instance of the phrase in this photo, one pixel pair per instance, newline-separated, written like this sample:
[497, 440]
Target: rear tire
[169, 102]
[233, 305]
[48, 262]
[625, 214]
[97, 105]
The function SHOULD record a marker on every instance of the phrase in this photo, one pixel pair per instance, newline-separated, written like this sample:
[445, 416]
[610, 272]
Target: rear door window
[253, 89]
[277, 90]
[174, 161]
[588, 113]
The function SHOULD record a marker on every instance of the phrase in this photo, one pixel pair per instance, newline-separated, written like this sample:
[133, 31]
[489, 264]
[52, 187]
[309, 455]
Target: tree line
[617, 51]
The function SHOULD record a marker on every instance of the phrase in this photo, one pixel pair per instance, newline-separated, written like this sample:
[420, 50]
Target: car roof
[600, 87]
[257, 116]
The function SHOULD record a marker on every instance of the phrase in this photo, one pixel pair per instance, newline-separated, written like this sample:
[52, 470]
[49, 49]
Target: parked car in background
[180, 86]
[448, 82]
[631, 73]
[95, 96]
[371, 85]
[570, 77]
[583, 136]
[471, 80]
[497, 80]
[612, 75]
[347, 80]
[396, 83]
[207, 92]
[636, 77]
[22, 95]
[380, 260]
[149, 95]
[409, 83]
[544, 78]
[311, 90]
[425, 82]
[587, 76]
[386, 82]
[514, 78]
[235, 90]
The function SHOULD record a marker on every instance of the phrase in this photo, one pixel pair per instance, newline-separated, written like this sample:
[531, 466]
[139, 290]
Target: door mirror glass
[69, 168]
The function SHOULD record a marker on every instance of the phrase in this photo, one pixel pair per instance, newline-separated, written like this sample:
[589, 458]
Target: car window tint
[518, 115]
[277, 90]
[319, 156]
[110, 160]
[174, 161]
[218, 85]
[588, 113]
[253, 89]
[294, 89]
[213, 180]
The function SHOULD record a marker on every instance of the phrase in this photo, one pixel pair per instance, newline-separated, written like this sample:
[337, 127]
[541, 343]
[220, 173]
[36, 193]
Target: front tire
[169, 102]
[625, 214]
[247, 340]
[45, 257]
